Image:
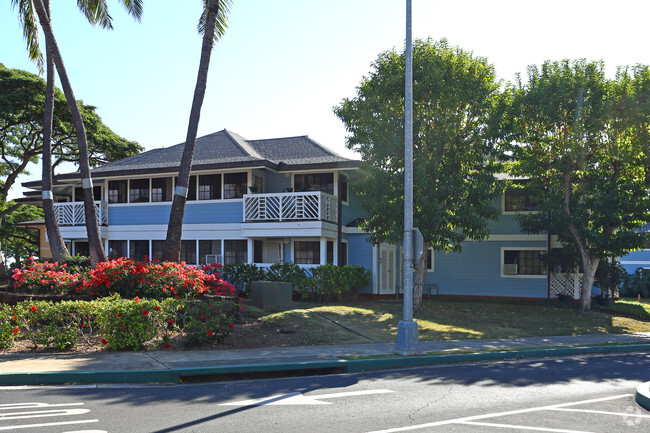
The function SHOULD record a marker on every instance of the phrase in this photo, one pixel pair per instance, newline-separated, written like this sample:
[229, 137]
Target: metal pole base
[407, 338]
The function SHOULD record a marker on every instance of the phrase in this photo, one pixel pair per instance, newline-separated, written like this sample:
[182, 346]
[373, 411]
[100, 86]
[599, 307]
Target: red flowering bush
[46, 278]
[125, 277]
[7, 326]
[153, 280]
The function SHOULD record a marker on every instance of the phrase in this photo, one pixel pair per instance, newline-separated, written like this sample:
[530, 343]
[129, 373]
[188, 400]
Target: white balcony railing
[291, 206]
[72, 214]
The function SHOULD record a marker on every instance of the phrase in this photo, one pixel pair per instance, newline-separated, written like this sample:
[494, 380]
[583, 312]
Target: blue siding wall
[195, 213]
[360, 253]
[477, 272]
[641, 259]
[353, 209]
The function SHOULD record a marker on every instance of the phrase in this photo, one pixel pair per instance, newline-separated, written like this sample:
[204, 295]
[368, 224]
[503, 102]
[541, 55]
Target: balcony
[291, 206]
[72, 214]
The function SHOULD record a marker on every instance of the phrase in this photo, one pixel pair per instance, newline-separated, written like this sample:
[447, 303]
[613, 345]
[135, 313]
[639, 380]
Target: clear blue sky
[284, 64]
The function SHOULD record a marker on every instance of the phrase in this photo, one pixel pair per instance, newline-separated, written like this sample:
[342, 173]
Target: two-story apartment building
[285, 199]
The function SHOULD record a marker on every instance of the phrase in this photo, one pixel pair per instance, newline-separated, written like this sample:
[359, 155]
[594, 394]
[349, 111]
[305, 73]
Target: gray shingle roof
[225, 149]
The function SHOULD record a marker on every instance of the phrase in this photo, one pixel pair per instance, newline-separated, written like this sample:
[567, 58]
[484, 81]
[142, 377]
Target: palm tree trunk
[57, 246]
[96, 249]
[172, 249]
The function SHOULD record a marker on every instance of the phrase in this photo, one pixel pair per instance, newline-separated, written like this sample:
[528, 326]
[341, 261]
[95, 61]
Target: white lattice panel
[565, 284]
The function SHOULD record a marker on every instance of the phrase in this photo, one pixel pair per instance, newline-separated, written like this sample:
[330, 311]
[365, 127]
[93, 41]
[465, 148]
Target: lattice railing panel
[565, 284]
[312, 206]
[72, 214]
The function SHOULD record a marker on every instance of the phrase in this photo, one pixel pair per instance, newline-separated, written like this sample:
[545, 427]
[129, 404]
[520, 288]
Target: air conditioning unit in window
[510, 269]
[213, 258]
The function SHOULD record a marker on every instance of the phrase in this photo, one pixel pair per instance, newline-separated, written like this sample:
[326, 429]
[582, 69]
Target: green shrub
[637, 284]
[128, 324]
[57, 325]
[201, 323]
[331, 282]
[288, 272]
[628, 308]
[8, 329]
[242, 275]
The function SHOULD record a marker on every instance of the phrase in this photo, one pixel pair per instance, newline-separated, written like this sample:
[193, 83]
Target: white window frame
[433, 261]
[503, 249]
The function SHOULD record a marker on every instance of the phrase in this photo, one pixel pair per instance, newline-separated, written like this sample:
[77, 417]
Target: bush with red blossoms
[46, 278]
[126, 277]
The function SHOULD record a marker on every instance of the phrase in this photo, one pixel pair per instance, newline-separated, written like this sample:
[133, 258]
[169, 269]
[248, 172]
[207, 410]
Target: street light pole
[407, 330]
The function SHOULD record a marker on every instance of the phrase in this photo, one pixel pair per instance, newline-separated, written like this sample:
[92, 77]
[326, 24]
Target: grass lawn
[376, 321]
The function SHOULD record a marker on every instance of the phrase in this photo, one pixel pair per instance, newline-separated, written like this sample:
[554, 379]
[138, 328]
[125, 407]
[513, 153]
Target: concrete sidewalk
[177, 366]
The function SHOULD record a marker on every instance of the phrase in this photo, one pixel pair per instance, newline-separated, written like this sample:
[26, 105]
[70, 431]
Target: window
[139, 191]
[430, 261]
[306, 252]
[235, 252]
[516, 199]
[208, 247]
[343, 188]
[258, 251]
[138, 249]
[523, 262]
[343, 254]
[209, 186]
[188, 252]
[81, 248]
[161, 189]
[258, 184]
[157, 249]
[234, 185]
[330, 253]
[191, 188]
[97, 193]
[116, 249]
[314, 182]
[117, 191]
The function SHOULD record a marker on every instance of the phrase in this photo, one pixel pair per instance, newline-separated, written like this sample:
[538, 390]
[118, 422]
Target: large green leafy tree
[96, 11]
[454, 188]
[583, 142]
[22, 97]
[20, 242]
[212, 25]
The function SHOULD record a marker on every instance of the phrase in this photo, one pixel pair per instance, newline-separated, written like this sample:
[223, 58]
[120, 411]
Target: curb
[337, 366]
[642, 396]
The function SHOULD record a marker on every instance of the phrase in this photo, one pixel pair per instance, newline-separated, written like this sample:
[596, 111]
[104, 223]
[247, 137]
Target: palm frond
[222, 18]
[29, 23]
[134, 8]
[96, 12]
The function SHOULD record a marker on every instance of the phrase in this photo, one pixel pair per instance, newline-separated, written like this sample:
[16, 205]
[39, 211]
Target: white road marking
[498, 414]
[521, 427]
[297, 398]
[42, 413]
[49, 424]
[34, 405]
[602, 412]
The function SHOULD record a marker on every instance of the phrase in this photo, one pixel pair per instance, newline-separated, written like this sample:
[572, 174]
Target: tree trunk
[420, 276]
[57, 246]
[172, 248]
[590, 265]
[97, 253]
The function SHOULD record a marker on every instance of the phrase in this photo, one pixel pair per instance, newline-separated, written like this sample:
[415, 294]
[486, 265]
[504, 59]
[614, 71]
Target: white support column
[336, 251]
[106, 247]
[128, 248]
[323, 250]
[336, 183]
[250, 250]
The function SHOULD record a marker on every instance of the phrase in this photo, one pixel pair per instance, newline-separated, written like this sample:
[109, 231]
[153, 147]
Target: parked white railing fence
[291, 206]
[72, 214]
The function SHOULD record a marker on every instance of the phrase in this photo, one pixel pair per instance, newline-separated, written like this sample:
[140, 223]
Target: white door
[272, 252]
[387, 269]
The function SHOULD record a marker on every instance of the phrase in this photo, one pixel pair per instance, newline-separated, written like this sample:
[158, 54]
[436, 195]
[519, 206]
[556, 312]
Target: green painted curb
[416, 361]
[176, 375]
[642, 396]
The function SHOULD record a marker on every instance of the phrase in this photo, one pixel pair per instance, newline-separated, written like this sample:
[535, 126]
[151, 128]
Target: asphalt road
[580, 394]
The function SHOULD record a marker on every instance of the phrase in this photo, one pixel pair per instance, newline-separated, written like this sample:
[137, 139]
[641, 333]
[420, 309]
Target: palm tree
[213, 25]
[97, 13]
